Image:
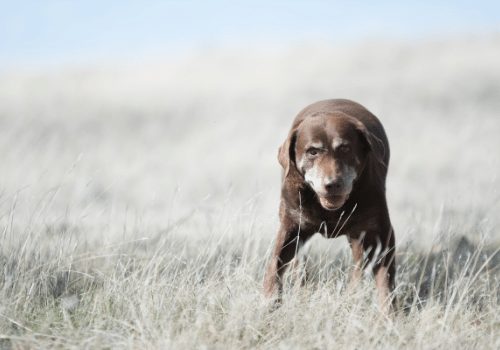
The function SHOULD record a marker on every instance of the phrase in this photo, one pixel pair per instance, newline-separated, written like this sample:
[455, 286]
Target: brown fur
[303, 212]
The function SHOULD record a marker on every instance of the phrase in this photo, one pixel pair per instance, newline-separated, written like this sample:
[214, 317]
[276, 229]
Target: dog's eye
[344, 149]
[312, 151]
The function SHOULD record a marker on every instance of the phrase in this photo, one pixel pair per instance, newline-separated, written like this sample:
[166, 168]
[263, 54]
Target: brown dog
[335, 161]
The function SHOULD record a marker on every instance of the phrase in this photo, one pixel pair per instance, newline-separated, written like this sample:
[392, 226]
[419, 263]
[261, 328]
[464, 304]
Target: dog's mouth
[333, 202]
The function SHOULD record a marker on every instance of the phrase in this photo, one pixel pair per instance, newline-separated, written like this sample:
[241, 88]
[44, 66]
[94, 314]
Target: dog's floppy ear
[373, 144]
[286, 152]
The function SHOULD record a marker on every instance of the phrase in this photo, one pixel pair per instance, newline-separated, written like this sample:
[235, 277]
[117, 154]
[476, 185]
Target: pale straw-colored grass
[138, 204]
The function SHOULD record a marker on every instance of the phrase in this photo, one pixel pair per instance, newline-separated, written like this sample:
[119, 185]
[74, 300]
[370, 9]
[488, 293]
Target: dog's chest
[327, 223]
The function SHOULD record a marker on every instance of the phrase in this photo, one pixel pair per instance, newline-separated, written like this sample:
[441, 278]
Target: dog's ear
[373, 144]
[286, 152]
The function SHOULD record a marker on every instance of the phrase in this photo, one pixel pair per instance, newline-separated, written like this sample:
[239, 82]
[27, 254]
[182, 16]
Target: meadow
[138, 201]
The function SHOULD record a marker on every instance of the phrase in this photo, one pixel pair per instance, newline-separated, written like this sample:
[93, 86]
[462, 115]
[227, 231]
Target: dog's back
[357, 111]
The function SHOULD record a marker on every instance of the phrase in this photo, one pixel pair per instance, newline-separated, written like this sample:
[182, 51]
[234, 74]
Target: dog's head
[328, 151]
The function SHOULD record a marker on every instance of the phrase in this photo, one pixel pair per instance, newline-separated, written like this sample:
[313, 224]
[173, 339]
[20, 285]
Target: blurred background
[68, 32]
[137, 117]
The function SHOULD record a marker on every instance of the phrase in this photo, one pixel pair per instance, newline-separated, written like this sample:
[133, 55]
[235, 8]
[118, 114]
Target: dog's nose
[334, 185]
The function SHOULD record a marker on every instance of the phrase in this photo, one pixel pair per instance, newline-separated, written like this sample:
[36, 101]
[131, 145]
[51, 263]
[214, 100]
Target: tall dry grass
[138, 203]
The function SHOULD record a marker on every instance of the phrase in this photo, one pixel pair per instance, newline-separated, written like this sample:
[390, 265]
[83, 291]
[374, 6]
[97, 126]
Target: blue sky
[54, 32]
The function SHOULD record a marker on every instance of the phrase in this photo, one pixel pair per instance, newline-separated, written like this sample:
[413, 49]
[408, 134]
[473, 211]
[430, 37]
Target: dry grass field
[138, 202]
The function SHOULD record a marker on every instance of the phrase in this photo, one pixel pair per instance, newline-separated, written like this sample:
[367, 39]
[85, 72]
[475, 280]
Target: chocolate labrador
[335, 161]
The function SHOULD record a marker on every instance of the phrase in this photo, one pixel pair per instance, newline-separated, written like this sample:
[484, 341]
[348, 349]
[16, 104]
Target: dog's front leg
[286, 247]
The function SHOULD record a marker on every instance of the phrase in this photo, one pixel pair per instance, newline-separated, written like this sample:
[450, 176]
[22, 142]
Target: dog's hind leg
[383, 261]
[356, 244]
[297, 272]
